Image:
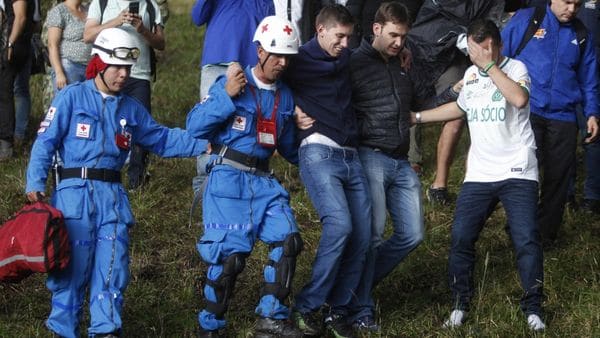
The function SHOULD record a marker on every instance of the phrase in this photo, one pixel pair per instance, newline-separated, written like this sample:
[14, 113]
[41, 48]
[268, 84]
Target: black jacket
[383, 95]
[432, 37]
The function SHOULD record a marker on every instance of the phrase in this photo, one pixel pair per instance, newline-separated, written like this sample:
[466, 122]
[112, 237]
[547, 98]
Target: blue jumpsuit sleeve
[202, 11]
[587, 76]
[208, 116]
[52, 130]
[166, 142]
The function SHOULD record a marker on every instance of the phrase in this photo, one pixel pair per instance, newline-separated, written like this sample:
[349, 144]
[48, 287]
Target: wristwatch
[418, 117]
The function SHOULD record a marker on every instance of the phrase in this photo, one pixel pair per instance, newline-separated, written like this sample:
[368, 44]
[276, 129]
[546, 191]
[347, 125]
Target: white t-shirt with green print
[502, 141]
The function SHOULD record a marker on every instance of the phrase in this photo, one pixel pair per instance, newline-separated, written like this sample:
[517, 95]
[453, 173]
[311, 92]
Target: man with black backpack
[563, 71]
[142, 19]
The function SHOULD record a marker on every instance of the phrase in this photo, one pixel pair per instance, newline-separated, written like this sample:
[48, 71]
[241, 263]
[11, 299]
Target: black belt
[241, 158]
[84, 173]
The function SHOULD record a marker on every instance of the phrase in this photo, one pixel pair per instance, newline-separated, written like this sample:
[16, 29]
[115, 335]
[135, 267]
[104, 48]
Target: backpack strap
[102, 8]
[534, 23]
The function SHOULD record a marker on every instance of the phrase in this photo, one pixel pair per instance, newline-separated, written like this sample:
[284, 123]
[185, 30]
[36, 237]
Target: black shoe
[365, 324]
[590, 206]
[438, 196]
[338, 326]
[138, 182]
[202, 333]
[271, 328]
[310, 323]
[572, 203]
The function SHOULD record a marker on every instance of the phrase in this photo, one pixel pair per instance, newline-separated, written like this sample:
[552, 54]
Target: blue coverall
[239, 206]
[82, 126]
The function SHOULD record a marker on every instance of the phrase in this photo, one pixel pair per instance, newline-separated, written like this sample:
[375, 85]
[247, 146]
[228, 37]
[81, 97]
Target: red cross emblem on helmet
[287, 29]
[265, 28]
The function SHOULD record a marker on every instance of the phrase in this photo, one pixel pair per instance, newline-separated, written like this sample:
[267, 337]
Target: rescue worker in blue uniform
[246, 116]
[92, 127]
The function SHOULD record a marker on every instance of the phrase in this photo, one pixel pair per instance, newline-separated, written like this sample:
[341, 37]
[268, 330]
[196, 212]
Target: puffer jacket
[383, 95]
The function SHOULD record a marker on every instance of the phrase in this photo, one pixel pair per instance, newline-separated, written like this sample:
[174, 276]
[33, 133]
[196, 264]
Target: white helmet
[115, 46]
[277, 36]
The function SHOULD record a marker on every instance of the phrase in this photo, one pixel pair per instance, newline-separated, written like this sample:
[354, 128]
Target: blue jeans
[475, 203]
[75, 72]
[396, 188]
[22, 100]
[208, 75]
[337, 186]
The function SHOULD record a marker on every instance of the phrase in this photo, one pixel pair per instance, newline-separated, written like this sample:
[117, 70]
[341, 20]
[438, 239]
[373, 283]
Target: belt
[84, 173]
[252, 162]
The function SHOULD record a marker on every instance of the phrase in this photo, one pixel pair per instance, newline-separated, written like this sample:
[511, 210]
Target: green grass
[164, 294]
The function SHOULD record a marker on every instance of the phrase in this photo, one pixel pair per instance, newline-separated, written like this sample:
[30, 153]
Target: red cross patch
[83, 130]
[287, 29]
[265, 28]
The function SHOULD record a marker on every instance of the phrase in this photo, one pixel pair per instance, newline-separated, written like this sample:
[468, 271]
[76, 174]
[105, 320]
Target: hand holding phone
[134, 7]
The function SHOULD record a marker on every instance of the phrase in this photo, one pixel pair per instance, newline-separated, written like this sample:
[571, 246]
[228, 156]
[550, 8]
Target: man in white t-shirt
[501, 167]
[143, 21]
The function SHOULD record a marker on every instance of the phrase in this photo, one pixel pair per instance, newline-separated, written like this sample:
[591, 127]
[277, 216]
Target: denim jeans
[75, 72]
[475, 203]
[395, 188]
[337, 186]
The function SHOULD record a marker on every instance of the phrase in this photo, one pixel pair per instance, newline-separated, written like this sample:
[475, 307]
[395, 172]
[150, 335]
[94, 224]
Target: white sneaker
[457, 317]
[535, 323]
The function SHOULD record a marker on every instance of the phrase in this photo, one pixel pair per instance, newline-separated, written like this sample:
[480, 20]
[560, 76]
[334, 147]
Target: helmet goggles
[121, 53]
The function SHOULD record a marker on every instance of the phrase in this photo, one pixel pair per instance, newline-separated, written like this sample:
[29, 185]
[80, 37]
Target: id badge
[267, 133]
[123, 140]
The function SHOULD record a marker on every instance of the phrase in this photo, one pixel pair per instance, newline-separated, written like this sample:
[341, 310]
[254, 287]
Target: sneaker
[271, 328]
[438, 196]
[365, 324]
[457, 318]
[203, 333]
[310, 322]
[535, 323]
[338, 326]
[590, 206]
[107, 335]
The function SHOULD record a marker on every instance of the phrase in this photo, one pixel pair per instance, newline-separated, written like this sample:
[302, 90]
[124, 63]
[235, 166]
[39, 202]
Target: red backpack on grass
[35, 239]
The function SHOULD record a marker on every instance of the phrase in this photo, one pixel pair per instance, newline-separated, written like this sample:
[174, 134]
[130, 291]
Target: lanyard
[259, 110]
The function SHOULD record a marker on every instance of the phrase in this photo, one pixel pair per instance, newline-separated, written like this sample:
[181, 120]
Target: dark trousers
[139, 89]
[556, 142]
[7, 103]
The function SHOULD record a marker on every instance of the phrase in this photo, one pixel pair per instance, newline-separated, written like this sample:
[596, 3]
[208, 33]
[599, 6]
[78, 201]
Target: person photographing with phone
[143, 21]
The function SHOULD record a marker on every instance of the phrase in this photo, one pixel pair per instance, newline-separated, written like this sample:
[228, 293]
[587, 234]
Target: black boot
[270, 328]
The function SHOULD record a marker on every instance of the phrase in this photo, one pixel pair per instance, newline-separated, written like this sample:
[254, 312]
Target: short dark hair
[332, 15]
[394, 12]
[481, 29]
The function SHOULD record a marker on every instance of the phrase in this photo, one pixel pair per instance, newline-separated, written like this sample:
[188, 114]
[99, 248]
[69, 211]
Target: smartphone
[134, 7]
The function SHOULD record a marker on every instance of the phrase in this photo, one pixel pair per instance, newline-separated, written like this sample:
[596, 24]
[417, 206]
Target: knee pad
[284, 268]
[233, 265]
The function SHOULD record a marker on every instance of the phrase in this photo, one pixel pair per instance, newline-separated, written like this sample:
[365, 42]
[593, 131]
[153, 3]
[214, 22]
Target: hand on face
[480, 53]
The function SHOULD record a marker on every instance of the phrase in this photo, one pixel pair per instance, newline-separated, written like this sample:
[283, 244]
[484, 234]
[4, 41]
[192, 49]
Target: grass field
[164, 294]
